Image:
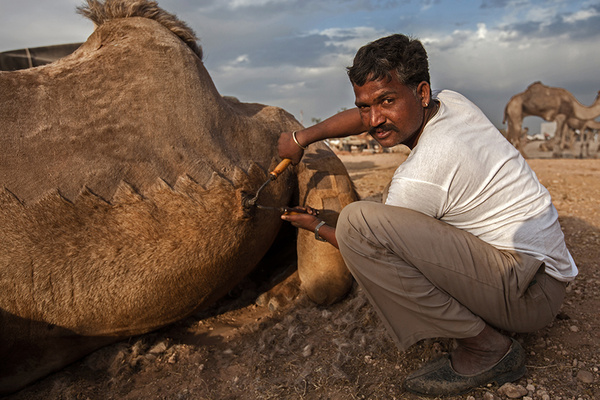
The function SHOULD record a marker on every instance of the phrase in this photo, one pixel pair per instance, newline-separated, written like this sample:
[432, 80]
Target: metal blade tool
[273, 175]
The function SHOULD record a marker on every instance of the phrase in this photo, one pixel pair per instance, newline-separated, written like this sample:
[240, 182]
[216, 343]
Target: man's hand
[288, 148]
[309, 221]
[306, 220]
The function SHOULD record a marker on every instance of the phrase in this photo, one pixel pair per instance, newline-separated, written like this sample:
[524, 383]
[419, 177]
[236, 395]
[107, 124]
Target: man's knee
[366, 219]
[352, 220]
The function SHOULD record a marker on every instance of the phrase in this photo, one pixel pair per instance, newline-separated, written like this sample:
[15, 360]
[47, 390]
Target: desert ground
[242, 349]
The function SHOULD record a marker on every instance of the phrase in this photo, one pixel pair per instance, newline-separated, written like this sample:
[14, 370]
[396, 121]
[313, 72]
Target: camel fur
[124, 176]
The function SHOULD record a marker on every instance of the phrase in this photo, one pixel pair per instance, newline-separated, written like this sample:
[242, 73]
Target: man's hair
[396, 54]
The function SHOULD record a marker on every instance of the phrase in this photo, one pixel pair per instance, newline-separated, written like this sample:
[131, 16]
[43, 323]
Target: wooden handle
[280, 168]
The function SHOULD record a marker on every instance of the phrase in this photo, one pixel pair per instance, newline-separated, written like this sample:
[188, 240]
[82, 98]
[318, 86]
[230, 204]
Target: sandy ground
[240, 350]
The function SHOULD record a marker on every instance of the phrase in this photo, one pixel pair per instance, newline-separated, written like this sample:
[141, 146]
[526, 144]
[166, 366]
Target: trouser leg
[426, 278]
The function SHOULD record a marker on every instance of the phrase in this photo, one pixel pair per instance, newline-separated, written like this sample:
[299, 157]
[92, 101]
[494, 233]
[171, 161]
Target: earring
[426, 105]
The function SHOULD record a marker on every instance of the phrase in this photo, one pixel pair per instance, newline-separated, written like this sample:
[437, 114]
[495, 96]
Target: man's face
[393, 112]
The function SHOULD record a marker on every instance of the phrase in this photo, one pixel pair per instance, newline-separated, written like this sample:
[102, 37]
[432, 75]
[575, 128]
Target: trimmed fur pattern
[123, 174]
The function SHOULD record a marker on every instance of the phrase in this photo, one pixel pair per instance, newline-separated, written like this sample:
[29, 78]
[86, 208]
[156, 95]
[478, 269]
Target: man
[467, 243]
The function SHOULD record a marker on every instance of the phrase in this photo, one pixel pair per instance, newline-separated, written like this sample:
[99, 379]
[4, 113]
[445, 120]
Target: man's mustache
[383, 127]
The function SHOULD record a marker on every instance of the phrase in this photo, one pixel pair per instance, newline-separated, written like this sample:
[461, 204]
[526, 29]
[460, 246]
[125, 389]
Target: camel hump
[536, 83]
[100, 12]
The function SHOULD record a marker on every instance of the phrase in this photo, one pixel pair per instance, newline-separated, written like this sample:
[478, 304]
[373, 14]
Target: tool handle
[280, 168]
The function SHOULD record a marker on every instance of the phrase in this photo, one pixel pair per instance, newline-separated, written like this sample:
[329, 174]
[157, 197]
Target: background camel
[125, 180]
[586, 134]
[549, 103]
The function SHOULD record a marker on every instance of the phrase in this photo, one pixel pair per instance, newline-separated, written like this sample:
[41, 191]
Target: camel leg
[559, 136]
[323, 184]
[281, 294]
[514, 131]
[522, 141]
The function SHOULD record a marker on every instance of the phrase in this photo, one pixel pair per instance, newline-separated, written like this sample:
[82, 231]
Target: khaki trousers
[429, 279]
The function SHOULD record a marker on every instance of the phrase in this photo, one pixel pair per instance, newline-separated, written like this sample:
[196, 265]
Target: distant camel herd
[552, 104]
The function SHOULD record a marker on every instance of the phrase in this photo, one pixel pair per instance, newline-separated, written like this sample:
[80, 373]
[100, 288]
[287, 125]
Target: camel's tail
[101, 11]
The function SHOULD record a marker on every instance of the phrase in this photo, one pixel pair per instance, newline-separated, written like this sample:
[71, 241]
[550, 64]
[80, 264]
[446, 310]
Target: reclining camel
[124, 179]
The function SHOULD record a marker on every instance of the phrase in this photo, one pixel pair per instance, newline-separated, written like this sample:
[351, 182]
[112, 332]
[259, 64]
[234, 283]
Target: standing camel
[585, 129]
[549, 103]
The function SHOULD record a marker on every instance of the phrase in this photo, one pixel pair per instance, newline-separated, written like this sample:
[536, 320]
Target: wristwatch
[317, 231]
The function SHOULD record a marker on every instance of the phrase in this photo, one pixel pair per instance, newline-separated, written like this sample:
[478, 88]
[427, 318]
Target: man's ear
[424, 92]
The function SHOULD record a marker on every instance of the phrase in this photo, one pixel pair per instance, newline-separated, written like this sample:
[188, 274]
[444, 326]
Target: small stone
[158, 348]
[489, 396]
[512, 391]
[307, 350]
[527, 398]
[574, 328]
[585, 376]
[530, 388]
[470, 398]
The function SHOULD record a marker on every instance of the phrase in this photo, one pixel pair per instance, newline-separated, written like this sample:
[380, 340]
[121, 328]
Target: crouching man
[467, 243]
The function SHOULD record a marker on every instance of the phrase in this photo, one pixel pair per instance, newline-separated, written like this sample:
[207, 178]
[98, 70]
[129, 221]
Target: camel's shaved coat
[123, 174]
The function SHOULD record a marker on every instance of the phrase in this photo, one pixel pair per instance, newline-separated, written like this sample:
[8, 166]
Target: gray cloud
[582, 25]
[301, 51]
[31, 23]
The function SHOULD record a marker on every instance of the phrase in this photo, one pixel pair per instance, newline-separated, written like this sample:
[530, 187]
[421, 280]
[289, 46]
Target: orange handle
[280, 168]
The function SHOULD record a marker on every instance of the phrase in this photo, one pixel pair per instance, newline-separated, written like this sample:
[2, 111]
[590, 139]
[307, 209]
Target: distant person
[467, 243]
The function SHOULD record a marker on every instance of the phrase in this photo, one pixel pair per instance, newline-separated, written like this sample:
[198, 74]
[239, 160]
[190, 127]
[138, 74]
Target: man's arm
[345, 123]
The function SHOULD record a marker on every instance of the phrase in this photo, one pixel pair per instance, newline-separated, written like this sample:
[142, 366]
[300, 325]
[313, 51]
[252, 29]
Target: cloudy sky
[293, 53]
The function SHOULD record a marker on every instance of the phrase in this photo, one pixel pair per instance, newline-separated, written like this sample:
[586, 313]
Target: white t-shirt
[464, 172]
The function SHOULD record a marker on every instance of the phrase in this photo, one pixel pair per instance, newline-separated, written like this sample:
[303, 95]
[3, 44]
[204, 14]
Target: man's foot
[479, 353]
[438, 378]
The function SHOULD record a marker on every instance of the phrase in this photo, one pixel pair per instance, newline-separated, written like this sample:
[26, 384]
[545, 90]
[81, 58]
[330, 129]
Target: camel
[585, 129]
[549, 103]
[124, 186]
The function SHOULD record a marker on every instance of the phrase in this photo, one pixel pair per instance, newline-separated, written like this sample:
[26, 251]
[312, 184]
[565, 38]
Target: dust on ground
[240, 350]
